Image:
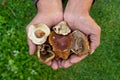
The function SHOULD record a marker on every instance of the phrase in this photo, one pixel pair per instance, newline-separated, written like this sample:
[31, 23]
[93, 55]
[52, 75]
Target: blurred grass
[17, 64]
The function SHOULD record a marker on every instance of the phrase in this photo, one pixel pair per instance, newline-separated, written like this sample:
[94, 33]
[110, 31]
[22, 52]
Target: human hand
[77, 16]
[49, 13]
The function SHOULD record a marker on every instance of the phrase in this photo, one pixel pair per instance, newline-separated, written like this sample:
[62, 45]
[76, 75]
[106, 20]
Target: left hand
[78, 17]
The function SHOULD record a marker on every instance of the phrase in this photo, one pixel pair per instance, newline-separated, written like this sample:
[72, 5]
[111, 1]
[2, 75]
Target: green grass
[17, 64]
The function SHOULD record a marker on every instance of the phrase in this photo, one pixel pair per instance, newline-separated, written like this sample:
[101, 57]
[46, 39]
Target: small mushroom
[61, 44]
[38, 33]
[80, 43]
[62, 28]
[45, 53]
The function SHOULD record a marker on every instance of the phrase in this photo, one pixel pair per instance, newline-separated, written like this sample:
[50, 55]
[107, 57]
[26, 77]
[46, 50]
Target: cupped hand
[77, 16]
[49, 13]
[89, 27]
[85, 23]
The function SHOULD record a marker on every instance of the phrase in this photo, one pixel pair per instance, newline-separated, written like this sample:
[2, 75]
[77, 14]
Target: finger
[54, 65]
[94, 42]
[74, 58]
[66, 63]
[59, 63]
[32, 47]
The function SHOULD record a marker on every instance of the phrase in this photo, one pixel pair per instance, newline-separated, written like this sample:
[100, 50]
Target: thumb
[94, 42]
[32, 47]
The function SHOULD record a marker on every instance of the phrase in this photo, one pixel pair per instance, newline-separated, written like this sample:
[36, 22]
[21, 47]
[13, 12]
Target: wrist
[82, 5]
[41, 4]
[35, 2]
[38, 4]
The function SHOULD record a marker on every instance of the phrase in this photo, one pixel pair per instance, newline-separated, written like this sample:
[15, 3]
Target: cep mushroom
[62, 28]
[38, 33]
[61, 45]
[61, 40]
[80, 43]
[45, 53]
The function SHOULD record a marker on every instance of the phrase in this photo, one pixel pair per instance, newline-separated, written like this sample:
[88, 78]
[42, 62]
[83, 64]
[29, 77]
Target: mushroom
[61, 44]
[80, 43]
[45, 53]
[62, 28]
[38, 33]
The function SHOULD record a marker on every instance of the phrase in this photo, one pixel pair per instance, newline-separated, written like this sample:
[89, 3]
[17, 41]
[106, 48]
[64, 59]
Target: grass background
[17, 64]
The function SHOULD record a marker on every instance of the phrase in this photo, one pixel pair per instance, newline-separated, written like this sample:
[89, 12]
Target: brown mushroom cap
[61, 44]
[80, 43]
[45, 53]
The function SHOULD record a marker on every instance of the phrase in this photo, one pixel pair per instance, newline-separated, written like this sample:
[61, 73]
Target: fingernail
[67, 64]
[49, 63]
[54, 67]
[92, 52]
[30, 52]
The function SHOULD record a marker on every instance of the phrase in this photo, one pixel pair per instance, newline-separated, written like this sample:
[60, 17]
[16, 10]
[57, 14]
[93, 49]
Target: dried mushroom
[45, 53]
[61, 45]
[38, 33]
[80, 43]
[62, 28]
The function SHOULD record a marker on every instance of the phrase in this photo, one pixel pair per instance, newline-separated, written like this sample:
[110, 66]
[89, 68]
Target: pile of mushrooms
[58, 43]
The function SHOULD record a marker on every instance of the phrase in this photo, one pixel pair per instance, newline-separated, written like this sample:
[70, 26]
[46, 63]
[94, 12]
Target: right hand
[49, 13]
